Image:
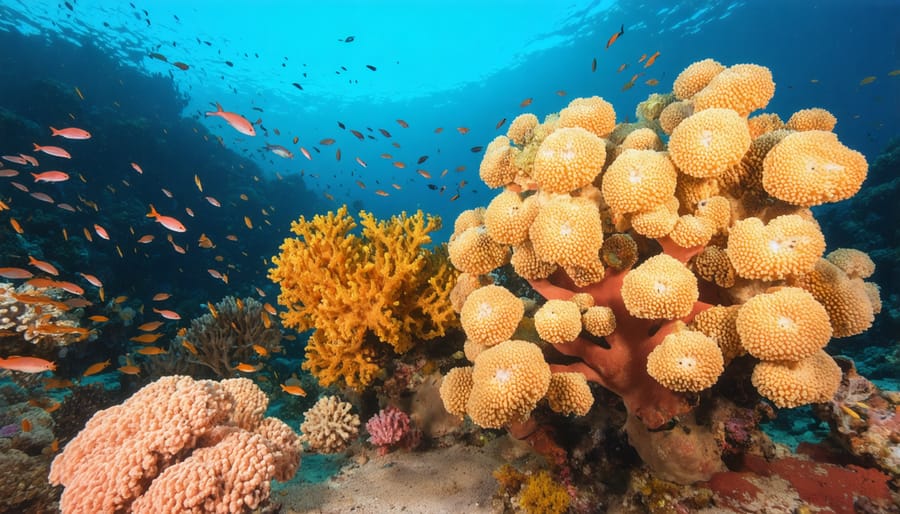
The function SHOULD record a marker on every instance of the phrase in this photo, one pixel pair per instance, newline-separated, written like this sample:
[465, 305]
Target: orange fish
[159, 297]
[57, 383]
[651, 82]
[70, 133]
[146, 338]
[46, 267]
[614, 37]
[651, 60]
[167, 221]
[248, 368]
[236, 121]
[462, 130]
[500, 123]
[151, 350]
[327, 141]
[381, 192]
[101, 231]
[424, 173]
[167, 313]
[130, 369]
[50, 176]
[27, 364]
[98, 319]
[150, 326]
[260, 350]
[212, 201]
[248, 222]
[526, 102]
[399, 165]
[189, 346]
[70, 287]
[403, 123]
[94, 281]
[16, 226]
[205, 242]
[15, 273]
[622, 67]
[293, 389]
[137, 168]
[93, 369]
[26, 425]
[146, 239]
[53, 150]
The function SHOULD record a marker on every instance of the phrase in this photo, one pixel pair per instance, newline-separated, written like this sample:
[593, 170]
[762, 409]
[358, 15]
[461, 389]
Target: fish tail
[37, 147]
[54, 131]
[35, 175]
[152, 213]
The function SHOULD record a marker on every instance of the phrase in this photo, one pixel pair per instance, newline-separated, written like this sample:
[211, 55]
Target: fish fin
[53, 130]
[36, 147]
[152, 213]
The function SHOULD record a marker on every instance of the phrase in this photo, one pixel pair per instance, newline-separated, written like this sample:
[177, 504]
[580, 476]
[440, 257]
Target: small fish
[260, 350]
[267, 321]
[476, 149]
[305, 153]
[167, 193]
[167, 221]
[614, 37]
[189, 346]
[403, 123]
[53, 150]
[27, 364]
[93, 369]
[198, 183]
[381, 192]
[150, 326]
[130, 369]
[98, 319]
[146, 338]
[212, 201]
[150, 350]
[424, 173]
[362, 162]
[44, 266]
[867, 80]
[94, 281]
[651, 59]
[26, 425]
[180, 65]
[137, 168]
[15, 273]
[167, 314]
[16, 226]
[280, 151]
[15, 159]
[561, 93]
[7, 173]
[236, 121]
[293, 389]
[526, 102]
[205, 242]
[70, 133]
[594, 65]
[248, 222]
[42, 197]
[622, 67]
[101, 231]
[268, 308]
[370, 67]
[146, 239]
[160, 297]
[399, 164]
[212, 309]
[247, 368]
[78, 92]
[651, 82]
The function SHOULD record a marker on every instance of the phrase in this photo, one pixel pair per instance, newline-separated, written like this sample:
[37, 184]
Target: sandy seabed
[444, 480]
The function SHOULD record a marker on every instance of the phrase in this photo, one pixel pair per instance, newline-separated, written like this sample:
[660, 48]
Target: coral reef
[137, 456]
[40, 316]
[719, 222]
[391, 427]
[329, 427]
[365, 294]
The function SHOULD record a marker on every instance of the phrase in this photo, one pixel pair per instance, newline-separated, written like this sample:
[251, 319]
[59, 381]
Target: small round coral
[498, 164]
[641, 139]
[619, 251]
[569, 393]
[788, 245]
[467, 219]
[522, 128]
[593, 114]
[491, 314]
[786, 325]
[455, 389]
[709, 142]
[686, 361]
[527, 265]
[847, 301]
[328, 426]
[695, 77]
[508, 217]
[661, 287]
[812, 119]
[473, 251]
[813, 167]
[508, 381]
[674, 114]
[720, 324]
[764, 123]
[599, 321]
[658, 221]
[814, 379]
[743, 88]
[690, 231]
[558, 321]
[568, 159]
[638, 180]
[855, 263]
[567, 231]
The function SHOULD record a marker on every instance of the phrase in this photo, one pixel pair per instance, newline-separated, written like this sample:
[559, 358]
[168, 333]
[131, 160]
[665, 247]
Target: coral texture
[139, 455]
[384, 283]
[328, 426]
[389, 428]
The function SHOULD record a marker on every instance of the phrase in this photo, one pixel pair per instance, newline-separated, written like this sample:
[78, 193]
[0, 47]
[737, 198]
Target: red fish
[94, 281]
[167, 313]
[137, 168]
[50, 176]
[236, 121]
[44, 266]
[167, 221]
[101, 231]
[71, 133]
[27, 364]
[15, 273]
[614, 37]
[52, 150]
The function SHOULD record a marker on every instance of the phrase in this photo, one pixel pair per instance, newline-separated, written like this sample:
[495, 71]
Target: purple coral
[9, 430]
[391, 427]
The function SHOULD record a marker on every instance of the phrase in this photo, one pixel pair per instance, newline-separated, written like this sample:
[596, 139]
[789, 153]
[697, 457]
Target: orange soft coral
[383, 282]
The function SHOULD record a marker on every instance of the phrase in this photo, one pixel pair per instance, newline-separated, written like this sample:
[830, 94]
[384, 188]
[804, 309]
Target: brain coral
[638, 180]
[686, 361]
[491, 314]
[788, 245]
[813, 167]
[594, 114]
[661, 287]
[785, 325]
[743, 88]
[508, 380]
[709, 142]
[568, 159]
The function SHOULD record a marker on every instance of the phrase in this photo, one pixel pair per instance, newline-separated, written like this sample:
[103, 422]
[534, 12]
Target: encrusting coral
[362, 292]
[139, 455]
[717, 222]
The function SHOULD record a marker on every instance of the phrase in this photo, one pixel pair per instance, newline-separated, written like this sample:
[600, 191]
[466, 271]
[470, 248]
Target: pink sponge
[391, 427]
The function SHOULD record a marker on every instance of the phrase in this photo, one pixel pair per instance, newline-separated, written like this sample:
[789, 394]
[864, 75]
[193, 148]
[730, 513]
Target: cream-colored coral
[509, 216]
[690, 231]
[599, 321]
[695, 77]
[686, 361]
[583, 275]
[638, 180]
[467, 219]
[521, 129]
[674, 114]
[498, 164]
[709, 142]
[473, 251]
[558, 321]
[569, 393]
[527, 265]
[788, 245]
[661, 287]
[568, 159]
[508, 381]
[813, 167]
[567, 231]
[455, 389]
[641, 139]
[855, 263]
[719, 323]
[250, 402]
[491, 315]
[786, 325]
[658, 221]
[619, 251]
[593, 114]
[846, 300]
[764, 123]
[329, 426]
[584, 301]
[743, 88]
[713, 265]
[465, 284]
[716, 209]
[812, 119]
[787, 384]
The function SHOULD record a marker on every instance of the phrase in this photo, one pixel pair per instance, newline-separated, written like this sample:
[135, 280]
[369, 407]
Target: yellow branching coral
[383, 282]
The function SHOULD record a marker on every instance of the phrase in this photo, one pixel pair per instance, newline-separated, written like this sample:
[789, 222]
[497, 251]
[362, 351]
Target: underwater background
[381, 106]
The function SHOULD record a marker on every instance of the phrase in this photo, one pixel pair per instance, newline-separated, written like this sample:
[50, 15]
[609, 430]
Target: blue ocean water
[425, 85]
